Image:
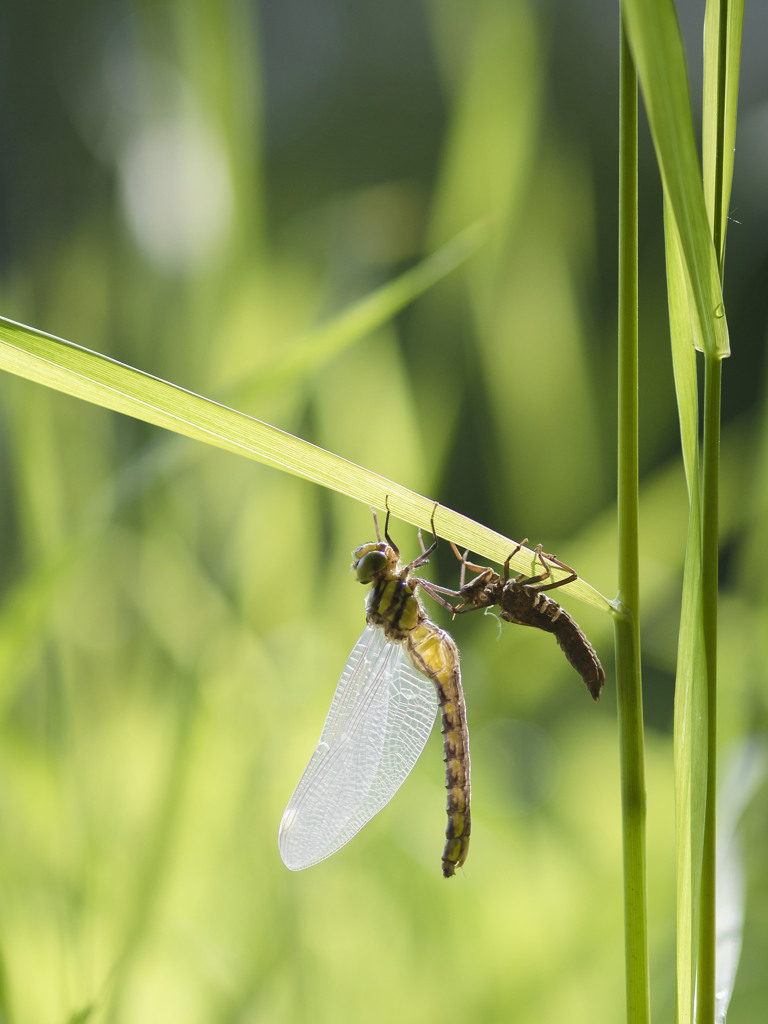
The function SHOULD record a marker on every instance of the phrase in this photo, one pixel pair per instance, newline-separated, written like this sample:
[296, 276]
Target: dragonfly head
[372, 559]
[483, 591]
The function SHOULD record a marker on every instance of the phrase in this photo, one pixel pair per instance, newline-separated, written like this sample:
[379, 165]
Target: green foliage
[417, 282]
[658, 53]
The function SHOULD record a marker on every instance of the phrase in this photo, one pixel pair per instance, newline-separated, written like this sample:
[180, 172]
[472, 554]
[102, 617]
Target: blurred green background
[192, 188]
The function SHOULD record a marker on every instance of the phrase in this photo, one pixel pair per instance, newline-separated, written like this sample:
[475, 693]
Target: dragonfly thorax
[393, 605]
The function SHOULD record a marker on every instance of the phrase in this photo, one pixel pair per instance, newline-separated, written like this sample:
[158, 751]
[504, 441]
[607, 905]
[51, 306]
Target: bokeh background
[192, 188]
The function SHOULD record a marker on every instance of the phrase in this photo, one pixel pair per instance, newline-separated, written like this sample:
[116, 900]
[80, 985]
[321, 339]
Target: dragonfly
[401, 670]
[521, 599]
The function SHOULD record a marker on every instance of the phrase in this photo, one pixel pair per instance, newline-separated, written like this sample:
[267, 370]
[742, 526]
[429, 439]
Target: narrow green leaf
[690, 684]
[321, 344]
[690, 770]
[683, 355]
[654, 36]
[722, 59]
[76, 371]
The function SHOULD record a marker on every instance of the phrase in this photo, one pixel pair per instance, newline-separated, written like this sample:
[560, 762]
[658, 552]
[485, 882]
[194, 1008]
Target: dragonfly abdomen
[579, 652]
[434, 653]
[529, 607]
[457, 784]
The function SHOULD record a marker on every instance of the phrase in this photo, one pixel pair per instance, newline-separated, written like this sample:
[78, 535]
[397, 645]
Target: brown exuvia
[521, 599]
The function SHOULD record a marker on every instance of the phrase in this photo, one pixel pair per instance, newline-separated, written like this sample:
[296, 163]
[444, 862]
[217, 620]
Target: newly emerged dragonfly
[400, 671]
[522, 600]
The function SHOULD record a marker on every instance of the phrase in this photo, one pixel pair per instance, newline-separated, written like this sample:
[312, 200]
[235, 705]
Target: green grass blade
[76, 371]
[722, 45]
[657, 47]
[690, 688]
[320, 345]
[683, 358]
[690, 772]
[721, 68]
[722, 59]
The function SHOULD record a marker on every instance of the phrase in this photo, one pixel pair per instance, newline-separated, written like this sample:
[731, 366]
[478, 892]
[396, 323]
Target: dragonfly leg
[425, 552]
[509, 559]
[463, 606]
[436, 593]
[375, 522]
[466, 564]
[556, 561]
[387, 538]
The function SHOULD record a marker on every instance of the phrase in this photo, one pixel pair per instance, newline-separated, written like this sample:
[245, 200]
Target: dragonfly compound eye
[371, 564]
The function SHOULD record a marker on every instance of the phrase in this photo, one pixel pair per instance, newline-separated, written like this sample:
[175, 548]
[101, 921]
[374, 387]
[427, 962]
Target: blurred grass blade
[745, 774]
[95, 378]
[722, 59]
[730, 923]
[690, 689]
[657, 48]
[320, 345]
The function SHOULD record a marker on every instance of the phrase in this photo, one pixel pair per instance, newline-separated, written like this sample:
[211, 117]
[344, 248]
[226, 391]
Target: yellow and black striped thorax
[392, 602]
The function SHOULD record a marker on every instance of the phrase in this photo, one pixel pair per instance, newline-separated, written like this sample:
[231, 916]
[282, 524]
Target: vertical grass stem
[628, 677]
[705, 975]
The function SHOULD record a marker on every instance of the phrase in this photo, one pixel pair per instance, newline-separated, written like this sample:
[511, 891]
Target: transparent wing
[380, 718]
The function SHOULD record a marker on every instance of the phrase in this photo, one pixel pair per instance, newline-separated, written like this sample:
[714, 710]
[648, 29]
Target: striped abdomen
[434, 653]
